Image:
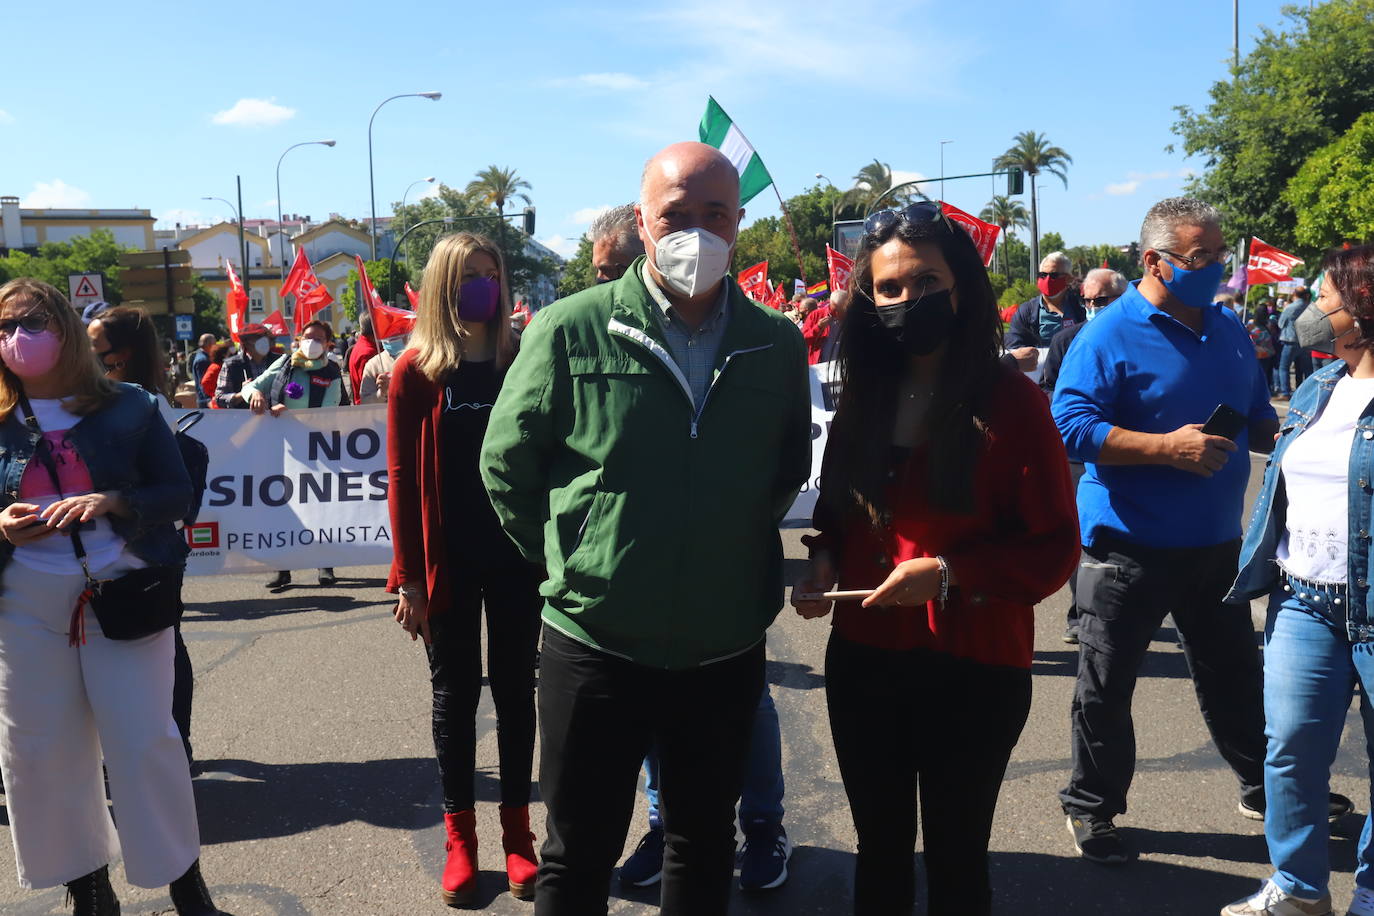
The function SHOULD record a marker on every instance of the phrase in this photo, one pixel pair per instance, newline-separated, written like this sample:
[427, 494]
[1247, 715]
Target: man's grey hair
[1111, 279]
[1159, 231]
[616, 224]
[1059, 258]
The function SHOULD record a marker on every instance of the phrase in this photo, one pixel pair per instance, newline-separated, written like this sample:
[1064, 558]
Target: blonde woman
[451, 556]
[77, 449]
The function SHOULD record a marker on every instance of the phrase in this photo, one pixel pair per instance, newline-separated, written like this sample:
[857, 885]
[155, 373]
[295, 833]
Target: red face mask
[1051, 286]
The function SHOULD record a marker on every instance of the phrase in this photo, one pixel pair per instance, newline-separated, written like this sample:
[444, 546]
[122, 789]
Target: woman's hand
[820, 579]
[83, 508]
[277, 410]
[257, 401]
[412, 611]
[911, 584]
[21, 526]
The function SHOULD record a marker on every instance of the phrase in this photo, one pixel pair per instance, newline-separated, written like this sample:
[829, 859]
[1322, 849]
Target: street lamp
[281, 230]
[430, 180]
[942, 168]
[243, 242]
[371, 186]
[834, 203]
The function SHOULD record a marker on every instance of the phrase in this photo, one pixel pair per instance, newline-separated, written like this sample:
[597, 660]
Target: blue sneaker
[763, 859]
[644, 867]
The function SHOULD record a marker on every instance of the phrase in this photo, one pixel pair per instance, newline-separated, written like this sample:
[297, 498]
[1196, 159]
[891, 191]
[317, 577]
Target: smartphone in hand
[1226, 422]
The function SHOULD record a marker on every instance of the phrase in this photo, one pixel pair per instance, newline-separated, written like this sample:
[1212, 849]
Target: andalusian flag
[719, 131]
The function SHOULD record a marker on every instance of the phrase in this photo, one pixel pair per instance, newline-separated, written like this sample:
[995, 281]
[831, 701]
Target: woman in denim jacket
[68, 694]
[1308, 547]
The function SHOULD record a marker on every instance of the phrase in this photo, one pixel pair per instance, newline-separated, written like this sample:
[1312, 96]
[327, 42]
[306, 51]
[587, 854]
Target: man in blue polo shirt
[1160, 508]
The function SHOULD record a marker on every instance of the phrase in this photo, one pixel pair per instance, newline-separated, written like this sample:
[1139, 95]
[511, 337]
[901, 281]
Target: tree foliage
[385, 275]
[1033, 154]
[768, 239]
[1333, 193]
[579, 273]
[494, 185]
[1300, 90]
[55, 260]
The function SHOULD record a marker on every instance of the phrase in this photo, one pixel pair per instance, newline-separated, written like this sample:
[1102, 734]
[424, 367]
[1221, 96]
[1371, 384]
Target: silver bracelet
[943, 597]
[410, 591]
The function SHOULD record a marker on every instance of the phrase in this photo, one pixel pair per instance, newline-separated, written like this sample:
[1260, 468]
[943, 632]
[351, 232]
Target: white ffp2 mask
[691, 261]
[311, 348]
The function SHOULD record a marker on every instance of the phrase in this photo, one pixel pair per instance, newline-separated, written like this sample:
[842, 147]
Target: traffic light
[529, 221]
[1016, 182]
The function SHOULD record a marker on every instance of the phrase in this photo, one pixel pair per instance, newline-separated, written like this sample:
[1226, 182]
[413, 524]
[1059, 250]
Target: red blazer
[413, 407]
[1018, 547]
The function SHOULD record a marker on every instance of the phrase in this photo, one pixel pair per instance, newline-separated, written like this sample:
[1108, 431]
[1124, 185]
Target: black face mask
[919, 327]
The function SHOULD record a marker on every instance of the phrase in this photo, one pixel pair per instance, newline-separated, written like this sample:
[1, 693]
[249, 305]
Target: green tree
[768, 239]
[1016, 254]
[579, 273]
[1033, 154]
[1019, 291]
[494, 185]
[54, 261]
[1051, 241]
[384, 273]
[1300, 89]
[1333, 193]
[1009, 214]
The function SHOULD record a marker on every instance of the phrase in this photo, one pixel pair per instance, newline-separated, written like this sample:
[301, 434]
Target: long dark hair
[858, 457]
[1351, 272]
[129, 328]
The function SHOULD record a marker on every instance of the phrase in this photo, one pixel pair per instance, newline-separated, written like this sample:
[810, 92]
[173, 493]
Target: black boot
[327, 577]
[92, 895]
[190, 895]
[280, 580]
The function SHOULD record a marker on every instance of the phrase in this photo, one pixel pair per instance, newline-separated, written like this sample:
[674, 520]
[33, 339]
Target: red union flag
[840, 268]
[275, 323]
[387, 320]
[984, 235]
[1269, 264]
[754, 282]
[237, 303]
[311, 296]
[413, 296]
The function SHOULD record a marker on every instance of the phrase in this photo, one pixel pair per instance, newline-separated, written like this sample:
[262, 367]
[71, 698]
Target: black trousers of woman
[509, 591]
[909, 723]
[183, 689]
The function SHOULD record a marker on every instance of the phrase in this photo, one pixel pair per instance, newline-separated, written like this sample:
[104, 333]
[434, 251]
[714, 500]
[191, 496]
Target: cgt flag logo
[984, 235]
[203, 536]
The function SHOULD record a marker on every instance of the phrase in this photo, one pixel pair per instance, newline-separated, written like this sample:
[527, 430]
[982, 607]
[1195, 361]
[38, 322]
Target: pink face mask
[30, 355]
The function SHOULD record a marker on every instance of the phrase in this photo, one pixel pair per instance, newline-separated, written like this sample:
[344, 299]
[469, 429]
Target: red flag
[984, 235]
[387, 320]
[1269, 264]
[237, 303]
[311, 304]
[1105, 265]
[413, 296]
[840, 268]
[311, 296]
[754, 282]
[275, 323]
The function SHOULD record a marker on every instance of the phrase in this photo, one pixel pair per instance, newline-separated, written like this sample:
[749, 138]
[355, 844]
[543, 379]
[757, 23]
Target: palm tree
[873, 181]
[495, 185]
[1031, 153]
[1009, 214]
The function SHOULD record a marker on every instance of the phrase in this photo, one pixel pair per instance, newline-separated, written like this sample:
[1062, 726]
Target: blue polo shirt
[1136, 367]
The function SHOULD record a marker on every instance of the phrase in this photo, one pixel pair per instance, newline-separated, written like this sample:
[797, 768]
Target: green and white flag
[719, 131]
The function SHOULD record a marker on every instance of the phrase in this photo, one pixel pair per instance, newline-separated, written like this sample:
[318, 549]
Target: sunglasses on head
[923, 211]
[34, 323]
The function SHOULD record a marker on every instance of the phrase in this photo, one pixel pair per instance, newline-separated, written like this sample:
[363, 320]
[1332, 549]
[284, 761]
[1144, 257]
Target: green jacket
[657, 523]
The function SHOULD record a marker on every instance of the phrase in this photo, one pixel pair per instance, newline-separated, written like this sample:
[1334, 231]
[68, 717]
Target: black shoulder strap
[43, 452]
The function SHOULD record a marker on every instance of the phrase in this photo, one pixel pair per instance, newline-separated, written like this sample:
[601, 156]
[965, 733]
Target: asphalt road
[320, 794]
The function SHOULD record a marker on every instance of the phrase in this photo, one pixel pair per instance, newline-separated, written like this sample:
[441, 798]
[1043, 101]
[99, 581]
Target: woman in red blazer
[452, 558]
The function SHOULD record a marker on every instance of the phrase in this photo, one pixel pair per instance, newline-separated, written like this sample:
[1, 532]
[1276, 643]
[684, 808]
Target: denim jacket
[1259, 571]
[128, 448]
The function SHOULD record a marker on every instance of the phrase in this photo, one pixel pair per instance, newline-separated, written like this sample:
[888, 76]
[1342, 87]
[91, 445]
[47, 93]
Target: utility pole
[243, 240]
[1235, 34]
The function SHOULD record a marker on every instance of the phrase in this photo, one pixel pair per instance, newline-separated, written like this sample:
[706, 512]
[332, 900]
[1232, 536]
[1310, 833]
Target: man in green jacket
[646, 443]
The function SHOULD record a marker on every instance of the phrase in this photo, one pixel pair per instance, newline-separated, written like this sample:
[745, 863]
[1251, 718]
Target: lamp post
[281, 259]
[942, 168]
[243, 242]
[371, 185]
[834, 203]
[430, 180]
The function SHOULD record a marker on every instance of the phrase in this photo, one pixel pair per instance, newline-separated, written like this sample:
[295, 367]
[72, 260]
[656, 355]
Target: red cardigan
[1018, 546]
[414, 405]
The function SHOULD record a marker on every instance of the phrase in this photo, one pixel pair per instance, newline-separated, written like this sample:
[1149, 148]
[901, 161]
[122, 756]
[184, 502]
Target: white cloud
[56, 193]
[431, 190]
[587, 214]
[254, 113]
[566, 247]
[1135, 179]
[6, 117]
[900, 176]
[1123, 188]
[169, 218]
[613, 82]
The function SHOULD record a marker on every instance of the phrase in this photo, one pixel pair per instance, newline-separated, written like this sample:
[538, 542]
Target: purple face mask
[478, 298]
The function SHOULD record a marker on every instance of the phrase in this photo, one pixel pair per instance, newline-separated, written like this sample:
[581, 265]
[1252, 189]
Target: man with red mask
[1057, 307]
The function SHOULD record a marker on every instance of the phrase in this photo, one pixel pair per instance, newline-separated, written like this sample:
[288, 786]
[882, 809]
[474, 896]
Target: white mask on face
[261, 346]
[691, 261]
[311, 348]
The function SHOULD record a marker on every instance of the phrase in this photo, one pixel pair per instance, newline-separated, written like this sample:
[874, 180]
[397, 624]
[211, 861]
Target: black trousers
[915, 722]
[1124, 593]
[183, 691]
[598, 716]
[510, 593]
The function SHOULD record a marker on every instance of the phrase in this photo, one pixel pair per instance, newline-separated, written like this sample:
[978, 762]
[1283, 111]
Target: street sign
[85, 288]
[154, 258]
[183, 327]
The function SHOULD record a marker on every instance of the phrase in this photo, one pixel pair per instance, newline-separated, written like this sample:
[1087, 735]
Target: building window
[255, 301]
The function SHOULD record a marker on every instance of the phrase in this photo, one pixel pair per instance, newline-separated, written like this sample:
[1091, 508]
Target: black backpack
[196, 457]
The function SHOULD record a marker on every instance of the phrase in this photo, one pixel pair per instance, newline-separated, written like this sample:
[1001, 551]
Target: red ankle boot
[460, 870]
[516, 839]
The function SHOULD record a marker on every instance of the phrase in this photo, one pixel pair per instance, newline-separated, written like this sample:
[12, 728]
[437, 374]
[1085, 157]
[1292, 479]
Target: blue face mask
[1195, 288]
[395, 346]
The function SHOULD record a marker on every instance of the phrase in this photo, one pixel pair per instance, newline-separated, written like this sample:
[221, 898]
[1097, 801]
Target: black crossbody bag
[137, 604]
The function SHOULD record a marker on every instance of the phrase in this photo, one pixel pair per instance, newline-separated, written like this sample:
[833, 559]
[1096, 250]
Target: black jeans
[183, 690]
[510, 593]
[598, 716]
[909, 721]
[1124, 593]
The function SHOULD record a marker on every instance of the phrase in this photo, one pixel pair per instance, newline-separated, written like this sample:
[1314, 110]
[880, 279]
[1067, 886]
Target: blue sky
[157, 105]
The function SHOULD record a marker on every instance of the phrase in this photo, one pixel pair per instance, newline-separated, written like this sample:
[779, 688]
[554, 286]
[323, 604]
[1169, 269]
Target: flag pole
[787, 218]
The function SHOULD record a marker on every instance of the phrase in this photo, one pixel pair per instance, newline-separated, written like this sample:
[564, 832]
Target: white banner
[298, 491]
[825, 392]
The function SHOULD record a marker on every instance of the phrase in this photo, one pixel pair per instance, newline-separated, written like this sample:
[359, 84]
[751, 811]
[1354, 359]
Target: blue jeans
[1282, 380]
[761, 801]
[1310, 672]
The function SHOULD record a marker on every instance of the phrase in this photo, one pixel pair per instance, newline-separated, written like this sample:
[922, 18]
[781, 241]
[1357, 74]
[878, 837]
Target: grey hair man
[615, 242]
[1160, 506]
[1056, 307]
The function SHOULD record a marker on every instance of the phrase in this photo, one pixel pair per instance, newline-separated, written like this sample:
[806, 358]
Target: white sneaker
[1272, 901]
[1363, 904]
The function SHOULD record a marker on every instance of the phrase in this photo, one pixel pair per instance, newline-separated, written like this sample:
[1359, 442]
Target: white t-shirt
[1315, 473]
[54, 553]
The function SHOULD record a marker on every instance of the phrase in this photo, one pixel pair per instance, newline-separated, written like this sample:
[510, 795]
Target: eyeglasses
[33, 322]
[923, 211]
[1203, 259]
[1098, 301]
[1049, 274]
